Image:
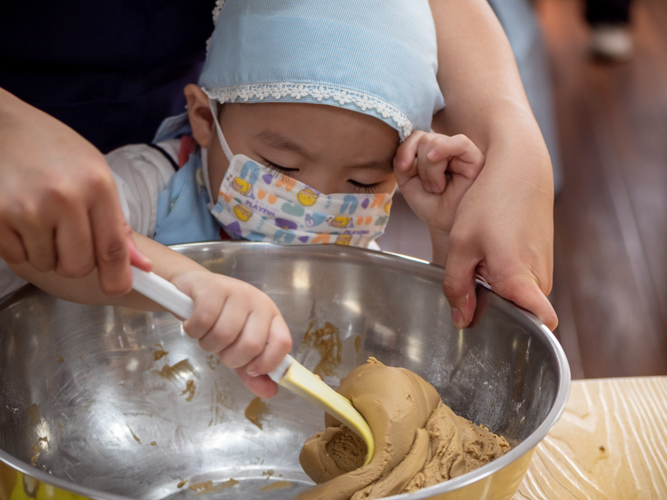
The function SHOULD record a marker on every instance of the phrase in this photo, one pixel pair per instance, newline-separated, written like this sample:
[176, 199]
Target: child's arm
[231, 318]
[503, 227]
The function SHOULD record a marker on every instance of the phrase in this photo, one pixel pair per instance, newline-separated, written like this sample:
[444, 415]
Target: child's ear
[199, 113]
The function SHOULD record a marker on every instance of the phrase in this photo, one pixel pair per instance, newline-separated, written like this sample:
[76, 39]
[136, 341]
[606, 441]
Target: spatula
[291, 374]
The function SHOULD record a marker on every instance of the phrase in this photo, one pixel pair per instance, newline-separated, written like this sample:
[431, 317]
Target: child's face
[331, 149]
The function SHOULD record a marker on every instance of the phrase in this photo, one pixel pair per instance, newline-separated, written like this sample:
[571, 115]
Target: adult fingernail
[457, 319]
[252, 372]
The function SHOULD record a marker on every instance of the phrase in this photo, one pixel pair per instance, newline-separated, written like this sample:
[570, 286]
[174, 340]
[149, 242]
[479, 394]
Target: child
[289, 138]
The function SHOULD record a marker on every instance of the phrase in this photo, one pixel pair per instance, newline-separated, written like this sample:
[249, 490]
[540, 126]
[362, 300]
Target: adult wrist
[440, 243]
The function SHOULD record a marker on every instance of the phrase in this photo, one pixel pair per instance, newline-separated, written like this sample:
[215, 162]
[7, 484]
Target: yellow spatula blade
[306, 384]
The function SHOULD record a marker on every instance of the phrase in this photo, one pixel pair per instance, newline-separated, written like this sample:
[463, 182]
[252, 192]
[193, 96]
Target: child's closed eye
[365, 188]
[359, 186]
[283, 170]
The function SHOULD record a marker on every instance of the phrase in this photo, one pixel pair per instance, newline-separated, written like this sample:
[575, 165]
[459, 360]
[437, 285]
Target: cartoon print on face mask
[285, 224]
[382, 221]
[286, 182]
[387, 207]
[246, 178]
[315, 219]
[307, 197]
[288, 236]
[379, 199]
[241, 186]
[340, 221]
[343, 239]
[350, 202]
[242, 213]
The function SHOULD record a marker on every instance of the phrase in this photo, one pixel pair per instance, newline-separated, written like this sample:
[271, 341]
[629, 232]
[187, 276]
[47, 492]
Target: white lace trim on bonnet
[219, 4]
[316, 91]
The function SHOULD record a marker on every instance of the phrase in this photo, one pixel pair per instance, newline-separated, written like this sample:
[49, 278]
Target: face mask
[258, 203]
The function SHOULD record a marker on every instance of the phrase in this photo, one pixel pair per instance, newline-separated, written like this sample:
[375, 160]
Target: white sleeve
[141, 174]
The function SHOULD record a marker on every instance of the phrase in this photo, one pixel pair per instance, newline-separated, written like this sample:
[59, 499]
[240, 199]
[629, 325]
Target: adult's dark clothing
[607, 11]
[111, 69]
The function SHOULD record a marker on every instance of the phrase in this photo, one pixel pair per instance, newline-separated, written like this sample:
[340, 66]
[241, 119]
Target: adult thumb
[137, 257]
[459, 287]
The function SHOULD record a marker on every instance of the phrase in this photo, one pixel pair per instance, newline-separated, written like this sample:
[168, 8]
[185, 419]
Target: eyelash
[364, 188]
[279, 168]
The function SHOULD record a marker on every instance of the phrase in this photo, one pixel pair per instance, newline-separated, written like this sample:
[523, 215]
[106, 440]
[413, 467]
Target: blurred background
[597, 82]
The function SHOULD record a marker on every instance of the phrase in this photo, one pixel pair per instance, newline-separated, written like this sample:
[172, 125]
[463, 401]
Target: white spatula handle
[163, 292]
[166, 294]
[278, 374]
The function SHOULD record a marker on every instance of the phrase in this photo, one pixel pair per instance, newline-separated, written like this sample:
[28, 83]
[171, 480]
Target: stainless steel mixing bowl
[89, 397]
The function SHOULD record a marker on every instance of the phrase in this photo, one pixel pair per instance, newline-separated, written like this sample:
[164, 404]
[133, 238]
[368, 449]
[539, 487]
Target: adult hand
[503, 230]
[503, 227]
[59, 208]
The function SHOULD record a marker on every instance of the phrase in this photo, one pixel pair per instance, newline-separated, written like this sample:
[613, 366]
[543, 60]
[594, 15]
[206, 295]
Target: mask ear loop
[221, 137]
[225, 148]
[207, 181]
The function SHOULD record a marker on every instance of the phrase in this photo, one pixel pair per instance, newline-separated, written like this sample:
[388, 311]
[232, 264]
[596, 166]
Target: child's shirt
[142, 172]
[163, 192]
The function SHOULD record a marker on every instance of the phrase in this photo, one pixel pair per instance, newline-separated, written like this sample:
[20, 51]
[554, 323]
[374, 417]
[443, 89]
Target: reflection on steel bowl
[111, 403]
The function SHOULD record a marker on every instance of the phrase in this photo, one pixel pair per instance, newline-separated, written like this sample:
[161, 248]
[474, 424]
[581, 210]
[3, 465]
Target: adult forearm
[477, 72]
[484, 95]
[166, 263]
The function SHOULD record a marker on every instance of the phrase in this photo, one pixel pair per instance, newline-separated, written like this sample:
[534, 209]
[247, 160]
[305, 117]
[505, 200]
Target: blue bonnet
[377, 57]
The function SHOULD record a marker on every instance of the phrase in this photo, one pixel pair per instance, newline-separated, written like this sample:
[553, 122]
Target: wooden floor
[610, 279]
[610, 283]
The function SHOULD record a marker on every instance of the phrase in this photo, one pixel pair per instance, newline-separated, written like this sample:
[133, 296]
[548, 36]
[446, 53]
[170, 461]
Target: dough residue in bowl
[419, 441]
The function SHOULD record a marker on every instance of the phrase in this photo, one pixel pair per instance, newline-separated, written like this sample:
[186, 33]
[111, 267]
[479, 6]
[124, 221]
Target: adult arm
[167, 263]
[59, 208]
[503, 228]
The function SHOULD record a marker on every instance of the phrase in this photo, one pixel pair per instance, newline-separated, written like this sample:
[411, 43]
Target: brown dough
[419, 441]
[326, 341]
[256, 409]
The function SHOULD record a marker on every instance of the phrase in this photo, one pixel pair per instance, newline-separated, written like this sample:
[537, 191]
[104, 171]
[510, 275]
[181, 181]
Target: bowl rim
[526, 446]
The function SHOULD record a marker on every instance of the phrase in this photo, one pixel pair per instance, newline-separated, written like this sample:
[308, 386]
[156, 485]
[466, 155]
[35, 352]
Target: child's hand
[438, 172]
[240, 324]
